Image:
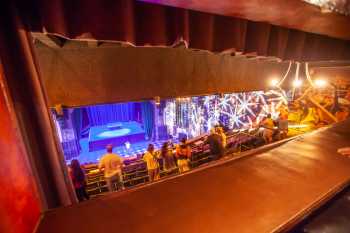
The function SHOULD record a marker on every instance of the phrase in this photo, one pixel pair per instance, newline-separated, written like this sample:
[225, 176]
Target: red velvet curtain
[28, 104]
[19, 198]
[143, 23]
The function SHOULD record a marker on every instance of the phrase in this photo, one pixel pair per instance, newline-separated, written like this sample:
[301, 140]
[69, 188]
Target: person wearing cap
[112, 165]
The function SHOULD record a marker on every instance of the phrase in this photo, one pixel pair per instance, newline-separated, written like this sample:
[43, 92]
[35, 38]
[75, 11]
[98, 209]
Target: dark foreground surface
[266, 192]
[334, 217]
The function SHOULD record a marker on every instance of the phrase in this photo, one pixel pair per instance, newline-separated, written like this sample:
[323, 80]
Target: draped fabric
[85, 123]
[30, 109]
[147, 24]
[108, 113]
[77, 120]
[19, 200]
[147, 109]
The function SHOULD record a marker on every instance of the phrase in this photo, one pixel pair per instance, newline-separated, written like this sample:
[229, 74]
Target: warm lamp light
[320, 83]
[274, 82]
[127, 145]
[297, 83]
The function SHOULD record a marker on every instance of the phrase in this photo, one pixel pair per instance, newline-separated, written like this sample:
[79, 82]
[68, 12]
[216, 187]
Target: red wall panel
[19, 203]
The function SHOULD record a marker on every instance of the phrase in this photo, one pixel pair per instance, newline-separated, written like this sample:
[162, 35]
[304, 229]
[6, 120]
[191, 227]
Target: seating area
[298, 174]
[135, 170]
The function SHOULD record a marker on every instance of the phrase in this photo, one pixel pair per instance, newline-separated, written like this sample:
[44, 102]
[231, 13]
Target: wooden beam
[49, 40]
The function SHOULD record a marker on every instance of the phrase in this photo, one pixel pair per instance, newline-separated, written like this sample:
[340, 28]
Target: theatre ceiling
[325, 17]
[290, 29]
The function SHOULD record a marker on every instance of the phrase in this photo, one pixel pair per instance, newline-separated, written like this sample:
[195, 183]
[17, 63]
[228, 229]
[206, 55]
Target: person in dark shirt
[168, 157]
[216, 147]
[77, 175]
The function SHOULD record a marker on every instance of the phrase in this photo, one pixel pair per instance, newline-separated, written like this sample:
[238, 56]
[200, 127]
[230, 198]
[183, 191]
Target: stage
[88, 157]
[131, 126]
[117, 134]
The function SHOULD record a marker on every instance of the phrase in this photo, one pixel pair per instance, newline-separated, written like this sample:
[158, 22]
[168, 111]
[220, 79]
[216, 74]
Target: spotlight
[274, 82]
[127, 145]
[297, 83]
[320, 83]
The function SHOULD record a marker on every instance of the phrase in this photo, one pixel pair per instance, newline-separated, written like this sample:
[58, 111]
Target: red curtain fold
[19, 198]
[148, 24]
[20, 74]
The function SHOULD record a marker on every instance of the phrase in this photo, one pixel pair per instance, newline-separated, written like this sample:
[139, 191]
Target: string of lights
[235, 111]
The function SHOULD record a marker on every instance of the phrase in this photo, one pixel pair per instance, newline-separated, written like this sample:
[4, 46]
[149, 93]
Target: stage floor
[121, 132]
[87, 156]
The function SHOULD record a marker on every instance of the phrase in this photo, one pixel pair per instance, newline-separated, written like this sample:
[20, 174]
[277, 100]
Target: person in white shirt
[112, 165]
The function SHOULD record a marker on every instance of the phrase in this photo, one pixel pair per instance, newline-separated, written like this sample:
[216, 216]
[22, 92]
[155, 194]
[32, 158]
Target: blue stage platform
[116, 134]
[87, 157]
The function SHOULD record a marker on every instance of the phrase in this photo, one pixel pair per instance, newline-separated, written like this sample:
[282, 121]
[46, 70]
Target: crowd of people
[111, 164]
[275, 128]
[179, 157]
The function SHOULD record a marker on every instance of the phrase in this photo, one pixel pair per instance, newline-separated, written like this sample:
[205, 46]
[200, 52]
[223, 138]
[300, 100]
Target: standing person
[283, 123]
[215, 145]
[79, 180]
[268, 125]
[183, 154]
[168, 157]
[152, 163]
[223, 137]
[112, 165]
